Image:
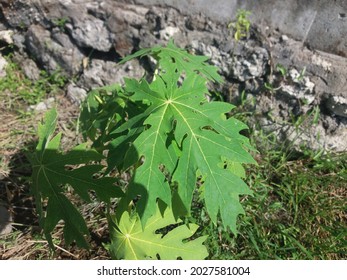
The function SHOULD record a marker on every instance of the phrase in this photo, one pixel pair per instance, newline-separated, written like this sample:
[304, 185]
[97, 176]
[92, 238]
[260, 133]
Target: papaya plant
[165, 134]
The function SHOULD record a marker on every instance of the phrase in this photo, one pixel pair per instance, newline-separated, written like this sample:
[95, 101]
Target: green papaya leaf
[52, 170]
[131, 242]
[184, 134]
[180, 59]
[102, 110]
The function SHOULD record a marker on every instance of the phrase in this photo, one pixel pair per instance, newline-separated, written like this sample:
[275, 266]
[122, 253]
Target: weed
[241, 25]
[60, 23]
[17, 91]
[301, 75]
[280, 68]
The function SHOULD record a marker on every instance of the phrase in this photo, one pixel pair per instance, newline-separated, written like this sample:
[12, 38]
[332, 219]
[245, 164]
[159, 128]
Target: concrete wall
[320, 24]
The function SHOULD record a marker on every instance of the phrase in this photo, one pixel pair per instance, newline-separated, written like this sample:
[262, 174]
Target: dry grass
[18, 137]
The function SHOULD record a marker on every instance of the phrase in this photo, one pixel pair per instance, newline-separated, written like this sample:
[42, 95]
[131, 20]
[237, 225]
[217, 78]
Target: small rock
[301, 88]
[284, 38]
[6, 36]
[337, 105]
[168, 32]
[76, 94]
[43, 105]
[39, 107]
[5, 221]
[30, 69]
[251, 64]
[19, 41]
[3, 65]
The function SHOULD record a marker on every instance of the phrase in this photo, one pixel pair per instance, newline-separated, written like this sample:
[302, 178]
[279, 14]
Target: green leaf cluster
[183, 135]
[52, 170]
[241, 25]
[177, 136]
[173, 142]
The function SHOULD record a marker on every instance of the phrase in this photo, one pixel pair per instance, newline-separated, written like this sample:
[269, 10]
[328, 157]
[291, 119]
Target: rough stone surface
[320, 24]
[86, 40]
[301, 88]
[75, 93]
[21, 13]
[90, 33]
[53, 50]
[250, 64]
[223, 60]
[337, 105]
[5, 221]
[101, 73]
[6, 36]
[3, 64]
[29, 67]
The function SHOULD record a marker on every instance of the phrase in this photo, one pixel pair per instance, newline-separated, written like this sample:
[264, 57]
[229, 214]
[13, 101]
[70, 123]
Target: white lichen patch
[318, 60]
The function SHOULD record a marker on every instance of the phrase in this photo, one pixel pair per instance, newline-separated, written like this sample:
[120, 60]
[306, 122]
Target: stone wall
[85, 40]
[321, 24]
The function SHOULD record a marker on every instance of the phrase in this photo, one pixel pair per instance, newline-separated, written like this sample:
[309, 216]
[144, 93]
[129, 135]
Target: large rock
[54, 50]
[21, 13]
[101, 73]
[90, 32]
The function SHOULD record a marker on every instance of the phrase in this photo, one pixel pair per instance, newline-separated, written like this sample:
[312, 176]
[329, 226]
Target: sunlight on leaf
[200, 131]
[131, 242]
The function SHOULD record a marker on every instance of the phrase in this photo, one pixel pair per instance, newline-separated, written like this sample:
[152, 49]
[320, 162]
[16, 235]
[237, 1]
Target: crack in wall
[309, 27]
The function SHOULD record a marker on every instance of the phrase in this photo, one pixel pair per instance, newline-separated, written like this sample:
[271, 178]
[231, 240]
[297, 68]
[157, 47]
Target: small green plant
[173, 143]
[60, 23]
[240, 28]
[280, 68]
[241, 25]
[17, 89]
[284, 77]
[301, 75]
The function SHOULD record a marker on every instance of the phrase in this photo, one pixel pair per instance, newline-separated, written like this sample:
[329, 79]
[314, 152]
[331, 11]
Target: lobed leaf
[131, 242]
[182, 61]
[52, 170]
[184, 135]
